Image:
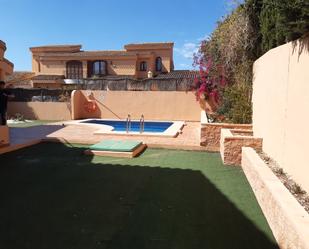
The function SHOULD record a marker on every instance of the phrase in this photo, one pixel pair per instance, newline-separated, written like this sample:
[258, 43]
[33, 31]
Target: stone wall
[211, 132]
[287, 219]
[231, 143]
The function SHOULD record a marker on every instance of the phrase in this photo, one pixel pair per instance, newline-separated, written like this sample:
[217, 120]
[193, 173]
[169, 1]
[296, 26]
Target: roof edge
[149, 45]
[57, 48]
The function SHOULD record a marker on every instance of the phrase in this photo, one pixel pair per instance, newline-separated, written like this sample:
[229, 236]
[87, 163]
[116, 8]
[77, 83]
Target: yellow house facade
[69, 64]
[6, 67]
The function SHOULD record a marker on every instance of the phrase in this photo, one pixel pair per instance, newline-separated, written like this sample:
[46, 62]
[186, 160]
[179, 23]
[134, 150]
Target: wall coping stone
[287, 218]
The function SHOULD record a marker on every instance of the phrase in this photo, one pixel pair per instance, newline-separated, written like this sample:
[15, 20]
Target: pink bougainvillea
[210, 78]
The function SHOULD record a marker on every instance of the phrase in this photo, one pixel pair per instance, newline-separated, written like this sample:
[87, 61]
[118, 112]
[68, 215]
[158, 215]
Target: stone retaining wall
[287, 219]
[211, 132]
[231, 143]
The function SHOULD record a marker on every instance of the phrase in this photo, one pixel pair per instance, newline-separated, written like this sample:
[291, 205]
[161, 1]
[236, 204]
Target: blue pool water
[135, 125]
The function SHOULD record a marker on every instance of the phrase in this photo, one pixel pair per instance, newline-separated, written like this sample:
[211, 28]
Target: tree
[282, 21]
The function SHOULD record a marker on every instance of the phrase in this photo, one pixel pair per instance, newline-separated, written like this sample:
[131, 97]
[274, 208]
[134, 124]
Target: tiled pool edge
[287, 218]
[172, 131]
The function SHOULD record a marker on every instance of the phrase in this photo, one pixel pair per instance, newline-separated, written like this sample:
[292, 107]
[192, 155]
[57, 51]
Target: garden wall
[41, 110]
[281, 107]
[154, 105]
[160, 105]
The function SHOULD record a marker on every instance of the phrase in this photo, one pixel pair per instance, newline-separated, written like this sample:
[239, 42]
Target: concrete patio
[188, 139]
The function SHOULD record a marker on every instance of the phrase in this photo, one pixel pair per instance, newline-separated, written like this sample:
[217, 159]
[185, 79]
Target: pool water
[155, 127]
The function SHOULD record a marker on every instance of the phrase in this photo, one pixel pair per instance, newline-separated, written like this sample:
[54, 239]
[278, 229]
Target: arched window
[158, 64]
[99, 68]
[74, 70]
[143, 66]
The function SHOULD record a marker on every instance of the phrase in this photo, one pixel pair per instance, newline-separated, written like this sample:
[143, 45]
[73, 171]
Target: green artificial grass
[53, 196]
[31, 124]
[116, 145]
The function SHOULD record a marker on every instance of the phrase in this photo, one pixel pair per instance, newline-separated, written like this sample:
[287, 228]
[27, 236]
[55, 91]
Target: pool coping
[172, 131]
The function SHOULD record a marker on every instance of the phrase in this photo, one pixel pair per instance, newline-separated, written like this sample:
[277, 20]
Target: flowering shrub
[228, 53]
[210, 79]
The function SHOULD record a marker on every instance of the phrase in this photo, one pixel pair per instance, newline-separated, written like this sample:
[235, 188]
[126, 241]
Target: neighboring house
[20, 79]
[57, 65]
[6, 67]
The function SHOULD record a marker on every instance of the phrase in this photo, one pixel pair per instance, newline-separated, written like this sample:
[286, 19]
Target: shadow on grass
[54, 197]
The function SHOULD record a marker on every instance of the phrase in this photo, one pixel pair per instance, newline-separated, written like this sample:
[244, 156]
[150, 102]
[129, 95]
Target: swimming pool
[121, 125]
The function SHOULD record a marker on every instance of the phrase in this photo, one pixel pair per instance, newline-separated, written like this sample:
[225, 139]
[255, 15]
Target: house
[20, 79]
[6, 67]
[57, 65]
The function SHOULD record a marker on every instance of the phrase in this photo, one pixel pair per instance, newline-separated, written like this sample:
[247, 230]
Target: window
[143, 66]
[158, 64]
[99, 68]
[74, 70]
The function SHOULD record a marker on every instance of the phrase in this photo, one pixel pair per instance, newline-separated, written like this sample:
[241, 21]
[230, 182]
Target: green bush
[236, 104]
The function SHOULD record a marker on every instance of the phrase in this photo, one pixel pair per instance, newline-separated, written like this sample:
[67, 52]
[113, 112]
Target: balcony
[73, 81]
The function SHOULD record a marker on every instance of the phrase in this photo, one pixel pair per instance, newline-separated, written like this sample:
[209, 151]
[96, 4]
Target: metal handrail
[128, 124]
[141, 124]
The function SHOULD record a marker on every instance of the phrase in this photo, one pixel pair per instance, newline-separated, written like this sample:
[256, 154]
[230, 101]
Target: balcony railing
[73, 81]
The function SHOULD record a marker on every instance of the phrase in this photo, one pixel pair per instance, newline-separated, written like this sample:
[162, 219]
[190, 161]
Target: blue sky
[107, 25]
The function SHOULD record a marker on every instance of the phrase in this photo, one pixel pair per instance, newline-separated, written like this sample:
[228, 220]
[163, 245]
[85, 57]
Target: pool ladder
[128, 125]
[141, 124]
